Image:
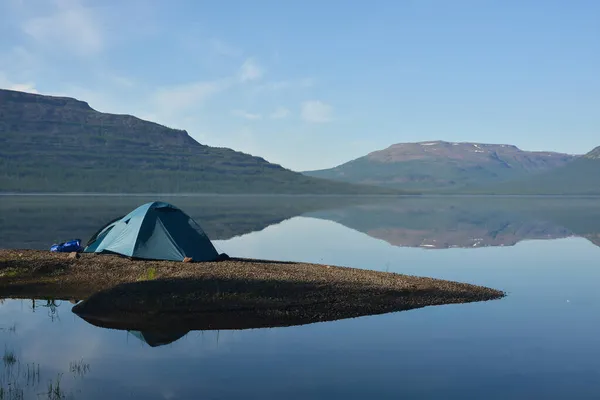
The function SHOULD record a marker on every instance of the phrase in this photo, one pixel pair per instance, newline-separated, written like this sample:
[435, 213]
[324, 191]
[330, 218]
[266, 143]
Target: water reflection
[36, 222]
[541, 341]
[440, 223]
[21, 380]
[158, 338]
[429, 222]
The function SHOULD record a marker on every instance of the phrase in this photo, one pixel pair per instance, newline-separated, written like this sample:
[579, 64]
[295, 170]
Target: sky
[314, 83]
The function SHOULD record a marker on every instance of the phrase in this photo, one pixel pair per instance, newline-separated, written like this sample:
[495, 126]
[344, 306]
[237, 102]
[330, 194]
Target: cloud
[246, 114]
[24, 87]
[179, 98]
[224, 49]
[70, 26]
[250, 71]
[6, 83]
[307, 82]
[316, 111]
[175, 102]
[122, 81]
[20, 64]
[280, 113]
[275, 86]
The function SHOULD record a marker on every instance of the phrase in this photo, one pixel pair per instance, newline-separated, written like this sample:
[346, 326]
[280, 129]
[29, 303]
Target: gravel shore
[231, 294]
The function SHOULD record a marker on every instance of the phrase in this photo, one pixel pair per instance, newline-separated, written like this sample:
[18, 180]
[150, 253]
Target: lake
[541, 341]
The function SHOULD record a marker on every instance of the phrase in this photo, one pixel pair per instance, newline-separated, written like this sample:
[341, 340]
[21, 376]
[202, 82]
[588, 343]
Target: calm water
[541, 341]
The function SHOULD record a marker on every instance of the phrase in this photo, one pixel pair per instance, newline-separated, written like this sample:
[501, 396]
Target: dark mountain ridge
[59, 144]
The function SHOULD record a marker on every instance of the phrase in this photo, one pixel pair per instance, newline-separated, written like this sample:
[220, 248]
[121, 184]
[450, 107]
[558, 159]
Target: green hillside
[580, 177]
[55, 144]
[439, 165]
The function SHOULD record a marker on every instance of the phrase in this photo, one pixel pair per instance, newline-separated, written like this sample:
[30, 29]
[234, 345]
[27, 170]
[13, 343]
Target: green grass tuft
[9, 358]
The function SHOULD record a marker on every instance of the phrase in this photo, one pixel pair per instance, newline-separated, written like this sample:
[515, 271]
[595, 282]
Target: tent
[154, 231]
[158, 338]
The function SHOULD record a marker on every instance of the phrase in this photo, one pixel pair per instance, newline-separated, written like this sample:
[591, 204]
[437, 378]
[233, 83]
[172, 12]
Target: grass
[33, 373]
[149, 275]
[10, 329]
[79, 368]
[11, 393]
[10, 273]
[19, 382]
[54, 390]
[9, 358]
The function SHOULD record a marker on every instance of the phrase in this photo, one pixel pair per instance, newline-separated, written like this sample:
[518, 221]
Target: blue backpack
[67, 247]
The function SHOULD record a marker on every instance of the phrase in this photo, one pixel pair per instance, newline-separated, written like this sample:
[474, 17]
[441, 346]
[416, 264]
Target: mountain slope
[55, 144]
[580, 177]
[443, 165]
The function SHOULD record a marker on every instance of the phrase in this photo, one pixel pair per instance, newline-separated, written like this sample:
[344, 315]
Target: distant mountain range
[57, 144]
[444, 166]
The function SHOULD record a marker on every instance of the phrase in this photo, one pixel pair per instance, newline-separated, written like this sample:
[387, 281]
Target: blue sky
[311, 84]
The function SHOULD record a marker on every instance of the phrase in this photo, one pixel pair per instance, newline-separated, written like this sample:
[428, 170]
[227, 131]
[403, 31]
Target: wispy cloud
[316, 111]
[246, 114]
[307, 82]
[6, 83]
[114, 79]
[70, 26]
[122, 81]
[180, 98]
[280, 85]
[280, 113]
[24, 87]
[224, 49]
[20, 65]
[172, 103]
[250, 71]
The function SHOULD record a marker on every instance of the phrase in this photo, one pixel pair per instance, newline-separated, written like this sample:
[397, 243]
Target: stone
[73, 255]
[187, 259]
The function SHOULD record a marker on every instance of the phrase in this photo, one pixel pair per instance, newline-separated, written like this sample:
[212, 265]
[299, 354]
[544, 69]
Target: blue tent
[158, 338]
[155, 231]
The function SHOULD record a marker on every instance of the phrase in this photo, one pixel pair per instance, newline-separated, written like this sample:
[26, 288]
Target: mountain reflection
[36, 222]
[470, 222]
[427, 222]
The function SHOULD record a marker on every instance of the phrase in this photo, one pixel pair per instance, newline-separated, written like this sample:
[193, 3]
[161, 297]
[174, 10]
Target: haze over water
[541, 341]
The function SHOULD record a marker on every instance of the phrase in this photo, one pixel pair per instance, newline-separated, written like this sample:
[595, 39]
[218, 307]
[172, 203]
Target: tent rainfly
[154, 231]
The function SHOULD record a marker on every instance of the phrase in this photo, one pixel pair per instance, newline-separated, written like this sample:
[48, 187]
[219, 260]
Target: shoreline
[421, 194]
[231, 294]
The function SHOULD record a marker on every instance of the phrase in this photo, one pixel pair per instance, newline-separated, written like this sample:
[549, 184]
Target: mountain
[580, 177]
[593, 155]
[442, 165]
[58, 144]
